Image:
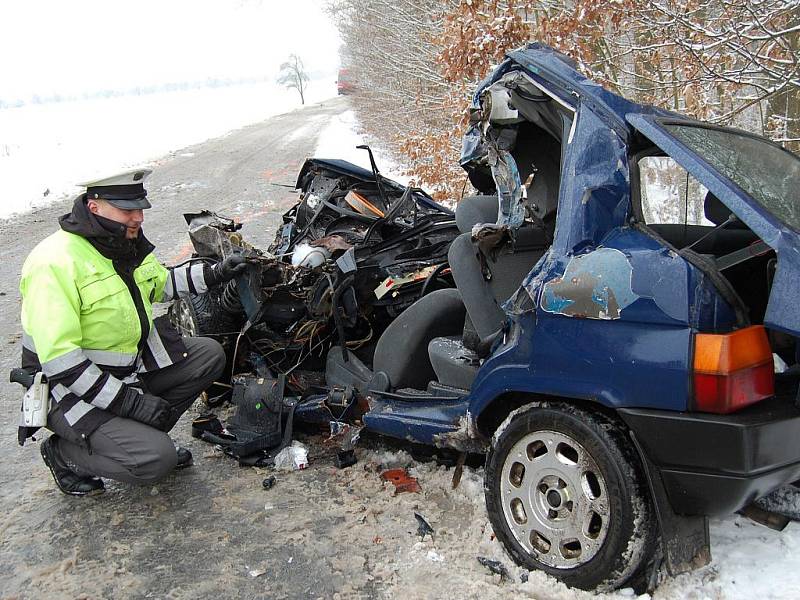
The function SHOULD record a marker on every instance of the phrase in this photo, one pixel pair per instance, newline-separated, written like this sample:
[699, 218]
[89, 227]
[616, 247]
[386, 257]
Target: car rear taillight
[732, 370]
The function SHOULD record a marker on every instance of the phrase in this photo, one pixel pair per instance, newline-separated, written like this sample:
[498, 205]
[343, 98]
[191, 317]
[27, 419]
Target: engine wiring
[310, 309]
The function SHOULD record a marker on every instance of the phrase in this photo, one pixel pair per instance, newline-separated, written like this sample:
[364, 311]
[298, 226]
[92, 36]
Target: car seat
[733, 236]
[426, 341]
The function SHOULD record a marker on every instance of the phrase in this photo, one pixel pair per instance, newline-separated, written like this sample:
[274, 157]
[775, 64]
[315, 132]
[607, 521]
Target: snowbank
[339, 140]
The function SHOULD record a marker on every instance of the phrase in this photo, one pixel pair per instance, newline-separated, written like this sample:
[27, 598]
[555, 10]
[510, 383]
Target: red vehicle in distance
[344, 85]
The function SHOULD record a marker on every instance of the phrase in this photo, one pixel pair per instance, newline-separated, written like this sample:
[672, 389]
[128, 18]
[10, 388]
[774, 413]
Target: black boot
[184, 457]
[66, 479]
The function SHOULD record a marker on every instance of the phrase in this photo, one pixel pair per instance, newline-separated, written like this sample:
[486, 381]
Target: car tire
[201, 315]
[565, 494]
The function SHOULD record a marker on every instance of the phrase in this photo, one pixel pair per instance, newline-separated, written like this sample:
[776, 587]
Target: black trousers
[126, 450]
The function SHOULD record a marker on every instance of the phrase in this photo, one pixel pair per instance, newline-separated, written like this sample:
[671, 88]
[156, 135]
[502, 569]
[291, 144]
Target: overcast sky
[76, 46]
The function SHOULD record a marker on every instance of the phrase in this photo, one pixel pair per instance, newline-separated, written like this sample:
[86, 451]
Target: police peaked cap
[125, 190]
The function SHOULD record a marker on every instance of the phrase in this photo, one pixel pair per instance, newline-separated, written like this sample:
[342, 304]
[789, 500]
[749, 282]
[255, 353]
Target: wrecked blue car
[613, 327]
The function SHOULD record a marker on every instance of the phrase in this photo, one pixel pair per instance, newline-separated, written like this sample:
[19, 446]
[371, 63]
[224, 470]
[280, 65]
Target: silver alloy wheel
[554, 499]
[185, 321]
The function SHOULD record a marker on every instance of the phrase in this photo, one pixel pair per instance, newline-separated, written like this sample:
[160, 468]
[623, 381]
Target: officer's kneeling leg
[124, 450]
[180, 384]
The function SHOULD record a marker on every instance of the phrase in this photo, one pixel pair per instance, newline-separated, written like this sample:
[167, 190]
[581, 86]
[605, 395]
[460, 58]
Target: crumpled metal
[511, 210]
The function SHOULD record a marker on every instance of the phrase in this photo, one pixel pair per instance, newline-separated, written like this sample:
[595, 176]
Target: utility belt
[35, 400]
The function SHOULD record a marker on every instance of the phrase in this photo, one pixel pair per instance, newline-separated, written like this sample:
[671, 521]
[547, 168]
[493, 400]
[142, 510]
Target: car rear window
[768, 173]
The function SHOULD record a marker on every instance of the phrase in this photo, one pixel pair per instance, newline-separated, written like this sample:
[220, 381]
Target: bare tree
[293, 75]
[726, 61]
[405, 94]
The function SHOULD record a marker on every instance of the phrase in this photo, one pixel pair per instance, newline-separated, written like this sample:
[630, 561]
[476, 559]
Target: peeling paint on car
[596, 285]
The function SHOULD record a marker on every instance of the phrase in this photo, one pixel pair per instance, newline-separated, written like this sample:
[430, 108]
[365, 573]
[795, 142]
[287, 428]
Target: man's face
[132, 219]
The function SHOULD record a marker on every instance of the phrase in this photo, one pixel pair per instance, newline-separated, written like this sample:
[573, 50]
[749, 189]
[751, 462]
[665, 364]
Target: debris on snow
[401, 480]
[424, 528]
[292, 458]
[495, 566]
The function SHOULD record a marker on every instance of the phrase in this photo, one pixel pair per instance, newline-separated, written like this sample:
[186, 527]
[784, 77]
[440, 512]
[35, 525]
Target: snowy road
[212, 531]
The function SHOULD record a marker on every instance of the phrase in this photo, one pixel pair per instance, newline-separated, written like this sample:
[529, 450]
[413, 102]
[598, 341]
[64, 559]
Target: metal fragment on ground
[423, 528]
[459, 470]
[495, 566]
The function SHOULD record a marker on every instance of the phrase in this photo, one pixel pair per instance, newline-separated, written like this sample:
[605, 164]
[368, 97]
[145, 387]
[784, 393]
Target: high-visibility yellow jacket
[89, 331]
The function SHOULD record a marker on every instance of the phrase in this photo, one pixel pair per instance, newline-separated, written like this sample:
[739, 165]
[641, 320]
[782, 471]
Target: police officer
[119, 380]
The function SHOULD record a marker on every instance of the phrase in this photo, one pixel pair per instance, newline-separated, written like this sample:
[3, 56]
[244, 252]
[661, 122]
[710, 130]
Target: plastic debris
[292, 458]
[390, 284]
[495, 566]
[402, 481]
[434, 556]
[254, 573]
[423, 528]
[344, 435]
[269, 482]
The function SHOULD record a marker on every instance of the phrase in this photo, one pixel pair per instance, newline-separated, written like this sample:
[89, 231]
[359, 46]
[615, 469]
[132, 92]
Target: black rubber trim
[716, 464]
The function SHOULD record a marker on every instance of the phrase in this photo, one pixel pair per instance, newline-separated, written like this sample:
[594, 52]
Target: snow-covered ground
[339, 140]
[749, 561]
[45, 149]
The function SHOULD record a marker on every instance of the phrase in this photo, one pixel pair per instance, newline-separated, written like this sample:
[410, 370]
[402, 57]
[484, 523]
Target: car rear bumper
[717, 464]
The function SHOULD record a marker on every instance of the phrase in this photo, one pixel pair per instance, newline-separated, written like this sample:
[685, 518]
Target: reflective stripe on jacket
[81, 326]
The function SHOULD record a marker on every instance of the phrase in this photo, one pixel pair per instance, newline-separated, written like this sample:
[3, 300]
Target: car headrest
[472, 210]
[718, 213]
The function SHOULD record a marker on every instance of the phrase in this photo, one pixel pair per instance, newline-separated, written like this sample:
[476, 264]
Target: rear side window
[669, 194]
[766, 172]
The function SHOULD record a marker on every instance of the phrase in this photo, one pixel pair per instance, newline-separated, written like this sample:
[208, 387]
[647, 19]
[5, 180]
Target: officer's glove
[226, 270]
[145, 408]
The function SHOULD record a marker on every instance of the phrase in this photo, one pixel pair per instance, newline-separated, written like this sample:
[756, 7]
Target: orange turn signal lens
[732, 370]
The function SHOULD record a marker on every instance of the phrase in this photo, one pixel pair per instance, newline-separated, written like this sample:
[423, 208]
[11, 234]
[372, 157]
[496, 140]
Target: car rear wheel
[565, 495]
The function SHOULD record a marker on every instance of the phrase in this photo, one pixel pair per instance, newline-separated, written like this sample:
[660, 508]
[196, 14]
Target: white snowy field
[45, 149]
